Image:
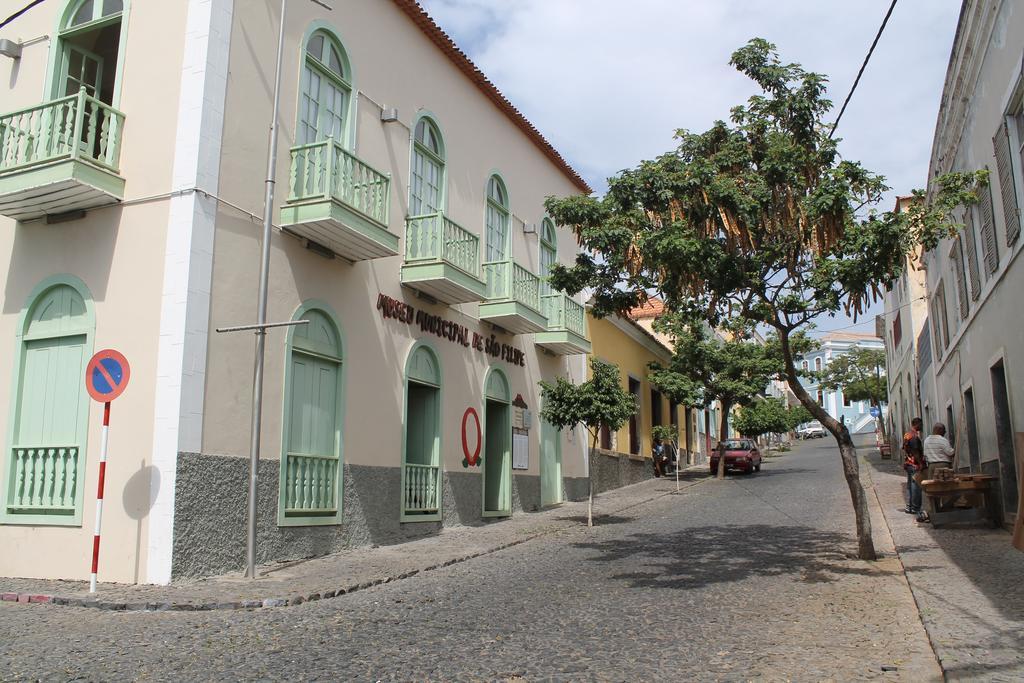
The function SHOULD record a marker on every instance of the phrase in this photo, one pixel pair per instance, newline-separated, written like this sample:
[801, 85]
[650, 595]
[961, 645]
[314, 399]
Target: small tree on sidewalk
[600, 400]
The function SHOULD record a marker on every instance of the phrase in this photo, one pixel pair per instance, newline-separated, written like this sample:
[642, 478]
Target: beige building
[903, 319]
[410, 235]
[975, 279]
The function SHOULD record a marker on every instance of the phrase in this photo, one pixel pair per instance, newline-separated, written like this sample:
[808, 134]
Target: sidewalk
[292, 583]
[968, 583]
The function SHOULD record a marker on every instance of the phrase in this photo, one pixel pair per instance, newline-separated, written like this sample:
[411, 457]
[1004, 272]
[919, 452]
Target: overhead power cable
[860, 73]
[20, 12]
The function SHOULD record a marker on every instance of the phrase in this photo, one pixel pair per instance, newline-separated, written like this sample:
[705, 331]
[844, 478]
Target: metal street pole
[261, 312]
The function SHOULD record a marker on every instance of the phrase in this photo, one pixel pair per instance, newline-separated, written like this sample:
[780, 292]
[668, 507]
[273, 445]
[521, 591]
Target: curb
[163, 606]
[903, 569]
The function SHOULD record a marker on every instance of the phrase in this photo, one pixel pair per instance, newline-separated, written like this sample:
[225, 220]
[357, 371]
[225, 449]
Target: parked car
[740, 454]
[811, 430]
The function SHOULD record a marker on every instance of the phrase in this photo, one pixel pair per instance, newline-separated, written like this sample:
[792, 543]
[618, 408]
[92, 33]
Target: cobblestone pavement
[297, 581]
[967, 582]
[746, 579]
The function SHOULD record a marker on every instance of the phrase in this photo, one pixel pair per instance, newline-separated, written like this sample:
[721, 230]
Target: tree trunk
[590, 479]
[723, 434]
[688, 416]
[707, 433]
[851, 468]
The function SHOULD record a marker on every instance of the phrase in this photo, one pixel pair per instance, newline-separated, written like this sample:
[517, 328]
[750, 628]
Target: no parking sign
[106, 377]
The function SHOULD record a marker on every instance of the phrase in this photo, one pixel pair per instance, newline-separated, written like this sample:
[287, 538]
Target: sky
[609, 82]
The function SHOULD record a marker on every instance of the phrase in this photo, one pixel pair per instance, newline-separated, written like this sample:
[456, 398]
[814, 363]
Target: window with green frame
[311, 466]
[426, 186]
[326, 90]
[548, 253]
[497, 220]
[88, 44]
[46, 460]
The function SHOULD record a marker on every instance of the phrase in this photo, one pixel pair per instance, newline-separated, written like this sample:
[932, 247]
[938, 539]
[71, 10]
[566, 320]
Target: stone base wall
[210, 512]
[613, 470]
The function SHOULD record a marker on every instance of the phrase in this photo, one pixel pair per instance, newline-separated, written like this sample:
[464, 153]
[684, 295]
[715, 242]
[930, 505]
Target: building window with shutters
[942, 316]
[897, 331]
[45, 465]
[989, 246]
[956, 258]
[1007, 158]
[971, 244]
[311, 457]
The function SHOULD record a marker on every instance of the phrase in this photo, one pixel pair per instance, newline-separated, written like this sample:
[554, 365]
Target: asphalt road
[748, 578]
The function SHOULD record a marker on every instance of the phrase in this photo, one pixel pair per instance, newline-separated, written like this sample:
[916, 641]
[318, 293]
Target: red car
[740, 454]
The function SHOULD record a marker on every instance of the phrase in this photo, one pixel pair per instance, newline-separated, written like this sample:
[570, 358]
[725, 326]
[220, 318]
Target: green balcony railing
[44, 480]
[311, 484]
[75, 127]
[420, 492]
[326, 170]
[564, 313]
[509, 280]
[435, 237]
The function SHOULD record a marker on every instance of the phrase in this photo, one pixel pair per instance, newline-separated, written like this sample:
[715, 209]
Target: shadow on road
[694, 558]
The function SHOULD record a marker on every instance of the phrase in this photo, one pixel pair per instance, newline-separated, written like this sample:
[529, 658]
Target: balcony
[513, 298]
[60, 156]
[442, 259]
[339, 202]
[566, 334]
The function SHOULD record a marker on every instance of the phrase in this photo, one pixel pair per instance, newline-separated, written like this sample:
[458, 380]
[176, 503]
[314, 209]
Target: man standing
[913, 462]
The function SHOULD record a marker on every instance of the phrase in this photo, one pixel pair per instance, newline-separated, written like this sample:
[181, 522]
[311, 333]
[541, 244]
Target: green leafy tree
[731, 371]
[858, 373]
[757, 219]
[600, 400]
[766, 416]
[796, 416]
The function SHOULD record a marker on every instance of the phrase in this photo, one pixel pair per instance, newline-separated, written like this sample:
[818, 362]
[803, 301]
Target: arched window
[421, 463]
[88, 49]
[326, 91]
[426, 186]
[803, 364]
[817, 363]
[311, 459]
[497, 220]
[46, 466]
[548, 253]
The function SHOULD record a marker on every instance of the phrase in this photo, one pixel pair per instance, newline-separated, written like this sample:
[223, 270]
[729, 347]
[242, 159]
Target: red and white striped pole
[99, 496]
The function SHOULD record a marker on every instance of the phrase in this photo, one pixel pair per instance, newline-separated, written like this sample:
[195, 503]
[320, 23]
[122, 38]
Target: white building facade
[409, 233]
[975, 279]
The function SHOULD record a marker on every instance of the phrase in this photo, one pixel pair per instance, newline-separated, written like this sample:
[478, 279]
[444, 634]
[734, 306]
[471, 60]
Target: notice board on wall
[520, 450]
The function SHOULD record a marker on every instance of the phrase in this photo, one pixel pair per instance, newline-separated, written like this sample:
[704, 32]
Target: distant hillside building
[856, 414]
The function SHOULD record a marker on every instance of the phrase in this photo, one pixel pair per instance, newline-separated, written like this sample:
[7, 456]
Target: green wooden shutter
[1007, 185]
[956, 255]
[971, 240]
[989, 247]
[46, 461]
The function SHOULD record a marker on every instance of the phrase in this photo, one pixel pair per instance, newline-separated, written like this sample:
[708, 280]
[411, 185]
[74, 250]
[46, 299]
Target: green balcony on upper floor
[339, 202]
[513, 298]
[60, 156]
[442, 259]
[566, 334]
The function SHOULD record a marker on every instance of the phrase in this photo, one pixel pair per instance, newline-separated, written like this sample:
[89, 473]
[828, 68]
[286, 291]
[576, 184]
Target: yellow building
[624, 457]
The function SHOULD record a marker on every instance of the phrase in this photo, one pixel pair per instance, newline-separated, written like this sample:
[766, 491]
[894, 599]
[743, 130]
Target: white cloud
[608, 82]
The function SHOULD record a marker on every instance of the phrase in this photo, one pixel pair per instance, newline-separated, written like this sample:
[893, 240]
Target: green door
[498, 460]
[311, 460]
[550, 465]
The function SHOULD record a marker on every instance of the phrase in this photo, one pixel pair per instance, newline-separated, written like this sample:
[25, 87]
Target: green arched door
[497, 463]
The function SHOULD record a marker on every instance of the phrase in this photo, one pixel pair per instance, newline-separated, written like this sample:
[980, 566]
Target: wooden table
[974, 489]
